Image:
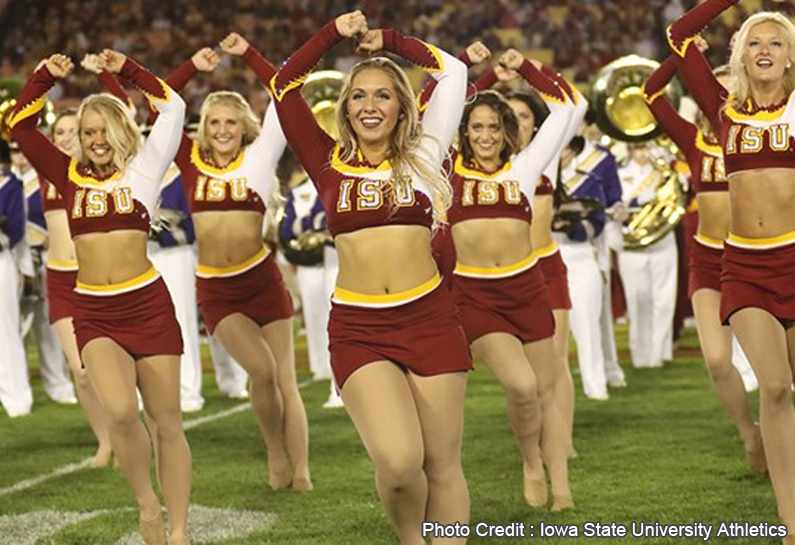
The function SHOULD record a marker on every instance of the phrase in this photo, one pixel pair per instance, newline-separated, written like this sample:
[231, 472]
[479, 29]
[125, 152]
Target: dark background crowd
[576, 36]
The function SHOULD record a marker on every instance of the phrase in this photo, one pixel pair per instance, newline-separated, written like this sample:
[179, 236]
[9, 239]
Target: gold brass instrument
[321, 91]
[622, 114]
[9, 89]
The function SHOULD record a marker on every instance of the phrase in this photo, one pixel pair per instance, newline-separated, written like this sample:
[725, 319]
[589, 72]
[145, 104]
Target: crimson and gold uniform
[255, 287]
[417, 329]
[137, 314]
[707, 174]
[756, 272]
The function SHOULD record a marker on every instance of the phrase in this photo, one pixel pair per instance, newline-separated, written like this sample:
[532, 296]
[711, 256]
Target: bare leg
[553, 433]
[440, 404]
[279, 336]
[770, 350]
[159, 378]
[245, 342]
[113, 374]
[85, 393]
[564, 385]
[505, 357]
[381, 405]
[716, 344]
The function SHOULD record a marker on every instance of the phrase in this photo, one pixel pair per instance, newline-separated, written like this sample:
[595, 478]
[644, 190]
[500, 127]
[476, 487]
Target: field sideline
[661, 450]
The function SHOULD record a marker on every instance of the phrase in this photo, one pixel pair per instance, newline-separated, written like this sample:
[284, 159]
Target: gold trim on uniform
[546, 251]
[708, 242]
[122, 287]
[347, 297]
[761, 243]
[63, 266]
[497, 272]
[205, 271]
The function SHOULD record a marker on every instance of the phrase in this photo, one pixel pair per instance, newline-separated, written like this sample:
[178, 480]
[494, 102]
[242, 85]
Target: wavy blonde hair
[122, 133]
[238, 104]
[406, 135]
[740, 87]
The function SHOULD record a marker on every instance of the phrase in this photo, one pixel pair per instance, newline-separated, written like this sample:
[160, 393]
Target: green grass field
[661, 450]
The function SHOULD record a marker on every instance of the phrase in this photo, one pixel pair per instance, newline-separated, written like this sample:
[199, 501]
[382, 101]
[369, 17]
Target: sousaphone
[622, 114]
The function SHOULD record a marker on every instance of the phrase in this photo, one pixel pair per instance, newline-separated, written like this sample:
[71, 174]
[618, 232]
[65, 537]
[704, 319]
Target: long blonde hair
[740, 87]
[122, 134]
[235, 102]
[406, 136]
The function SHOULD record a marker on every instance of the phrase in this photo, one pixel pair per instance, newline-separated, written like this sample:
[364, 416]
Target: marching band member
[53, 367]
[649, 273]
[589, 172]
[753, 125]
[708, 178]
[124, 321]
[15, 393]
[304, 215]
[228, 173]
[397, 349]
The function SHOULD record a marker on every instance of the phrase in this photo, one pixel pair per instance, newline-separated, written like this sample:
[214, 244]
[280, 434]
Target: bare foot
[153, 530]
[178, 540]
[561, 503]
[302, 484]
[535, 487]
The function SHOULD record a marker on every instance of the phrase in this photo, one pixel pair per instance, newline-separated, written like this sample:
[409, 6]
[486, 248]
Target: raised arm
[269, 146]
[533, 159]
[158, 151]
[705, 89]
[474, 54]
[308, 140]
[681, 131]
[91, 63]
[23, 121]
[443, 114]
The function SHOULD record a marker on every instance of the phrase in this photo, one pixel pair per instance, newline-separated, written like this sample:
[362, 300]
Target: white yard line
[72, 468]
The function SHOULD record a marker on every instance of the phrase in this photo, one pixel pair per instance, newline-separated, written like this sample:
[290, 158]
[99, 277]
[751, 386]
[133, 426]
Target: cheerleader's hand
[511, 59]
[351, 25]
[371, 42]
[111, 60]
[478, 52]
[90, 62]
[207, 60]
[234, 44]
[59, 65]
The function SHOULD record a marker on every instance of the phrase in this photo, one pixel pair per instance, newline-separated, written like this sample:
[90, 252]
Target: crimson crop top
[704, 155]
[123, 200]
[356, 194]
[247, 181]
[752, 137]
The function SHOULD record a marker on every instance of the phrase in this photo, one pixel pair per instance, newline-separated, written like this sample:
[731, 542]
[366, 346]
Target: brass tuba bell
[321, 90]
[621, 113]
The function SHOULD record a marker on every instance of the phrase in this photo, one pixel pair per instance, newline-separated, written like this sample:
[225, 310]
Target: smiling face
[526, 117]
[765, 55]
[373, 107]
[486, 136]
[63, 133]
[94, 142]
[223, 132]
